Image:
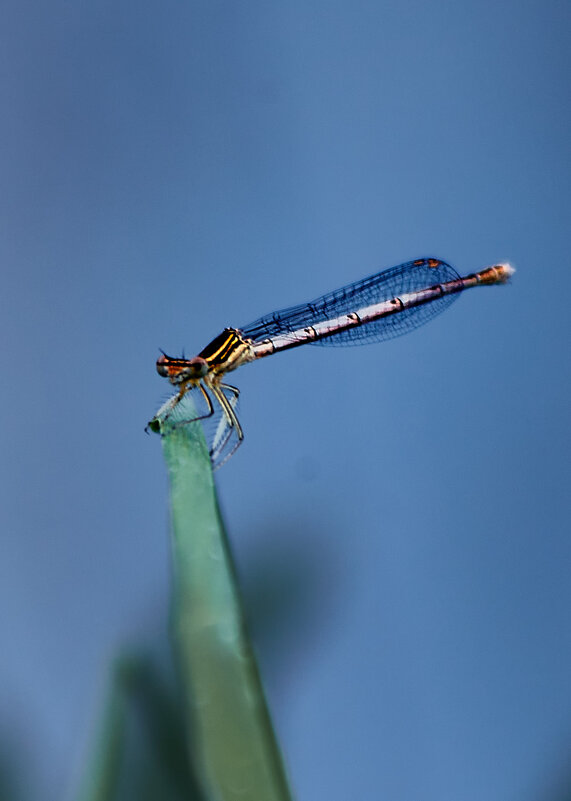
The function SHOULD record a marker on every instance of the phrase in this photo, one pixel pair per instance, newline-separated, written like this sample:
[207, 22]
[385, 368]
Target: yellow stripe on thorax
[226, 352]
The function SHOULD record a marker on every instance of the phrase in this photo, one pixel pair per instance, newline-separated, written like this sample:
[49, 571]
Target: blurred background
[399, 513]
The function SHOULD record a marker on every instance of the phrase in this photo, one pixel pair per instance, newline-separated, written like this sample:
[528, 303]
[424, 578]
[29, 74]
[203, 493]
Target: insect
[385, 305]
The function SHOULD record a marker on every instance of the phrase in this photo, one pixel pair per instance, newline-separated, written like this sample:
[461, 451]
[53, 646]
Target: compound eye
[162, 366]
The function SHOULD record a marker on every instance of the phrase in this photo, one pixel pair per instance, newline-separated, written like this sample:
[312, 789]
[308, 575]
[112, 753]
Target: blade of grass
[140, 748]
[101, 777]
[233, 744]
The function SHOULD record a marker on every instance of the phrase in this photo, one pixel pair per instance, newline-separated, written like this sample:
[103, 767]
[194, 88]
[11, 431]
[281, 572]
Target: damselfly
[385, 305]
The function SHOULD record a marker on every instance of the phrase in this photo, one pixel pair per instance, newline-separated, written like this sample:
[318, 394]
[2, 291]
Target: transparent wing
[194, 405]
[199, 405]
[386, 285]
[223, 436]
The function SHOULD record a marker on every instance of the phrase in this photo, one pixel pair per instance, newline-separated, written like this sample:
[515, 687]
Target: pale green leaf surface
[232, 740]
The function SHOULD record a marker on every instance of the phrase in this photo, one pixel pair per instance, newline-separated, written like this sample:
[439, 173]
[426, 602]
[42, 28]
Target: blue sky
[170, 169]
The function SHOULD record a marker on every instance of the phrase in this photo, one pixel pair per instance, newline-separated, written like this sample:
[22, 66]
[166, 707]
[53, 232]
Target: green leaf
[141, 747]
[234, 749]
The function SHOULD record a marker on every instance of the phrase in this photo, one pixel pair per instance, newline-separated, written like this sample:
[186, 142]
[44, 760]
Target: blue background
[168, 169]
